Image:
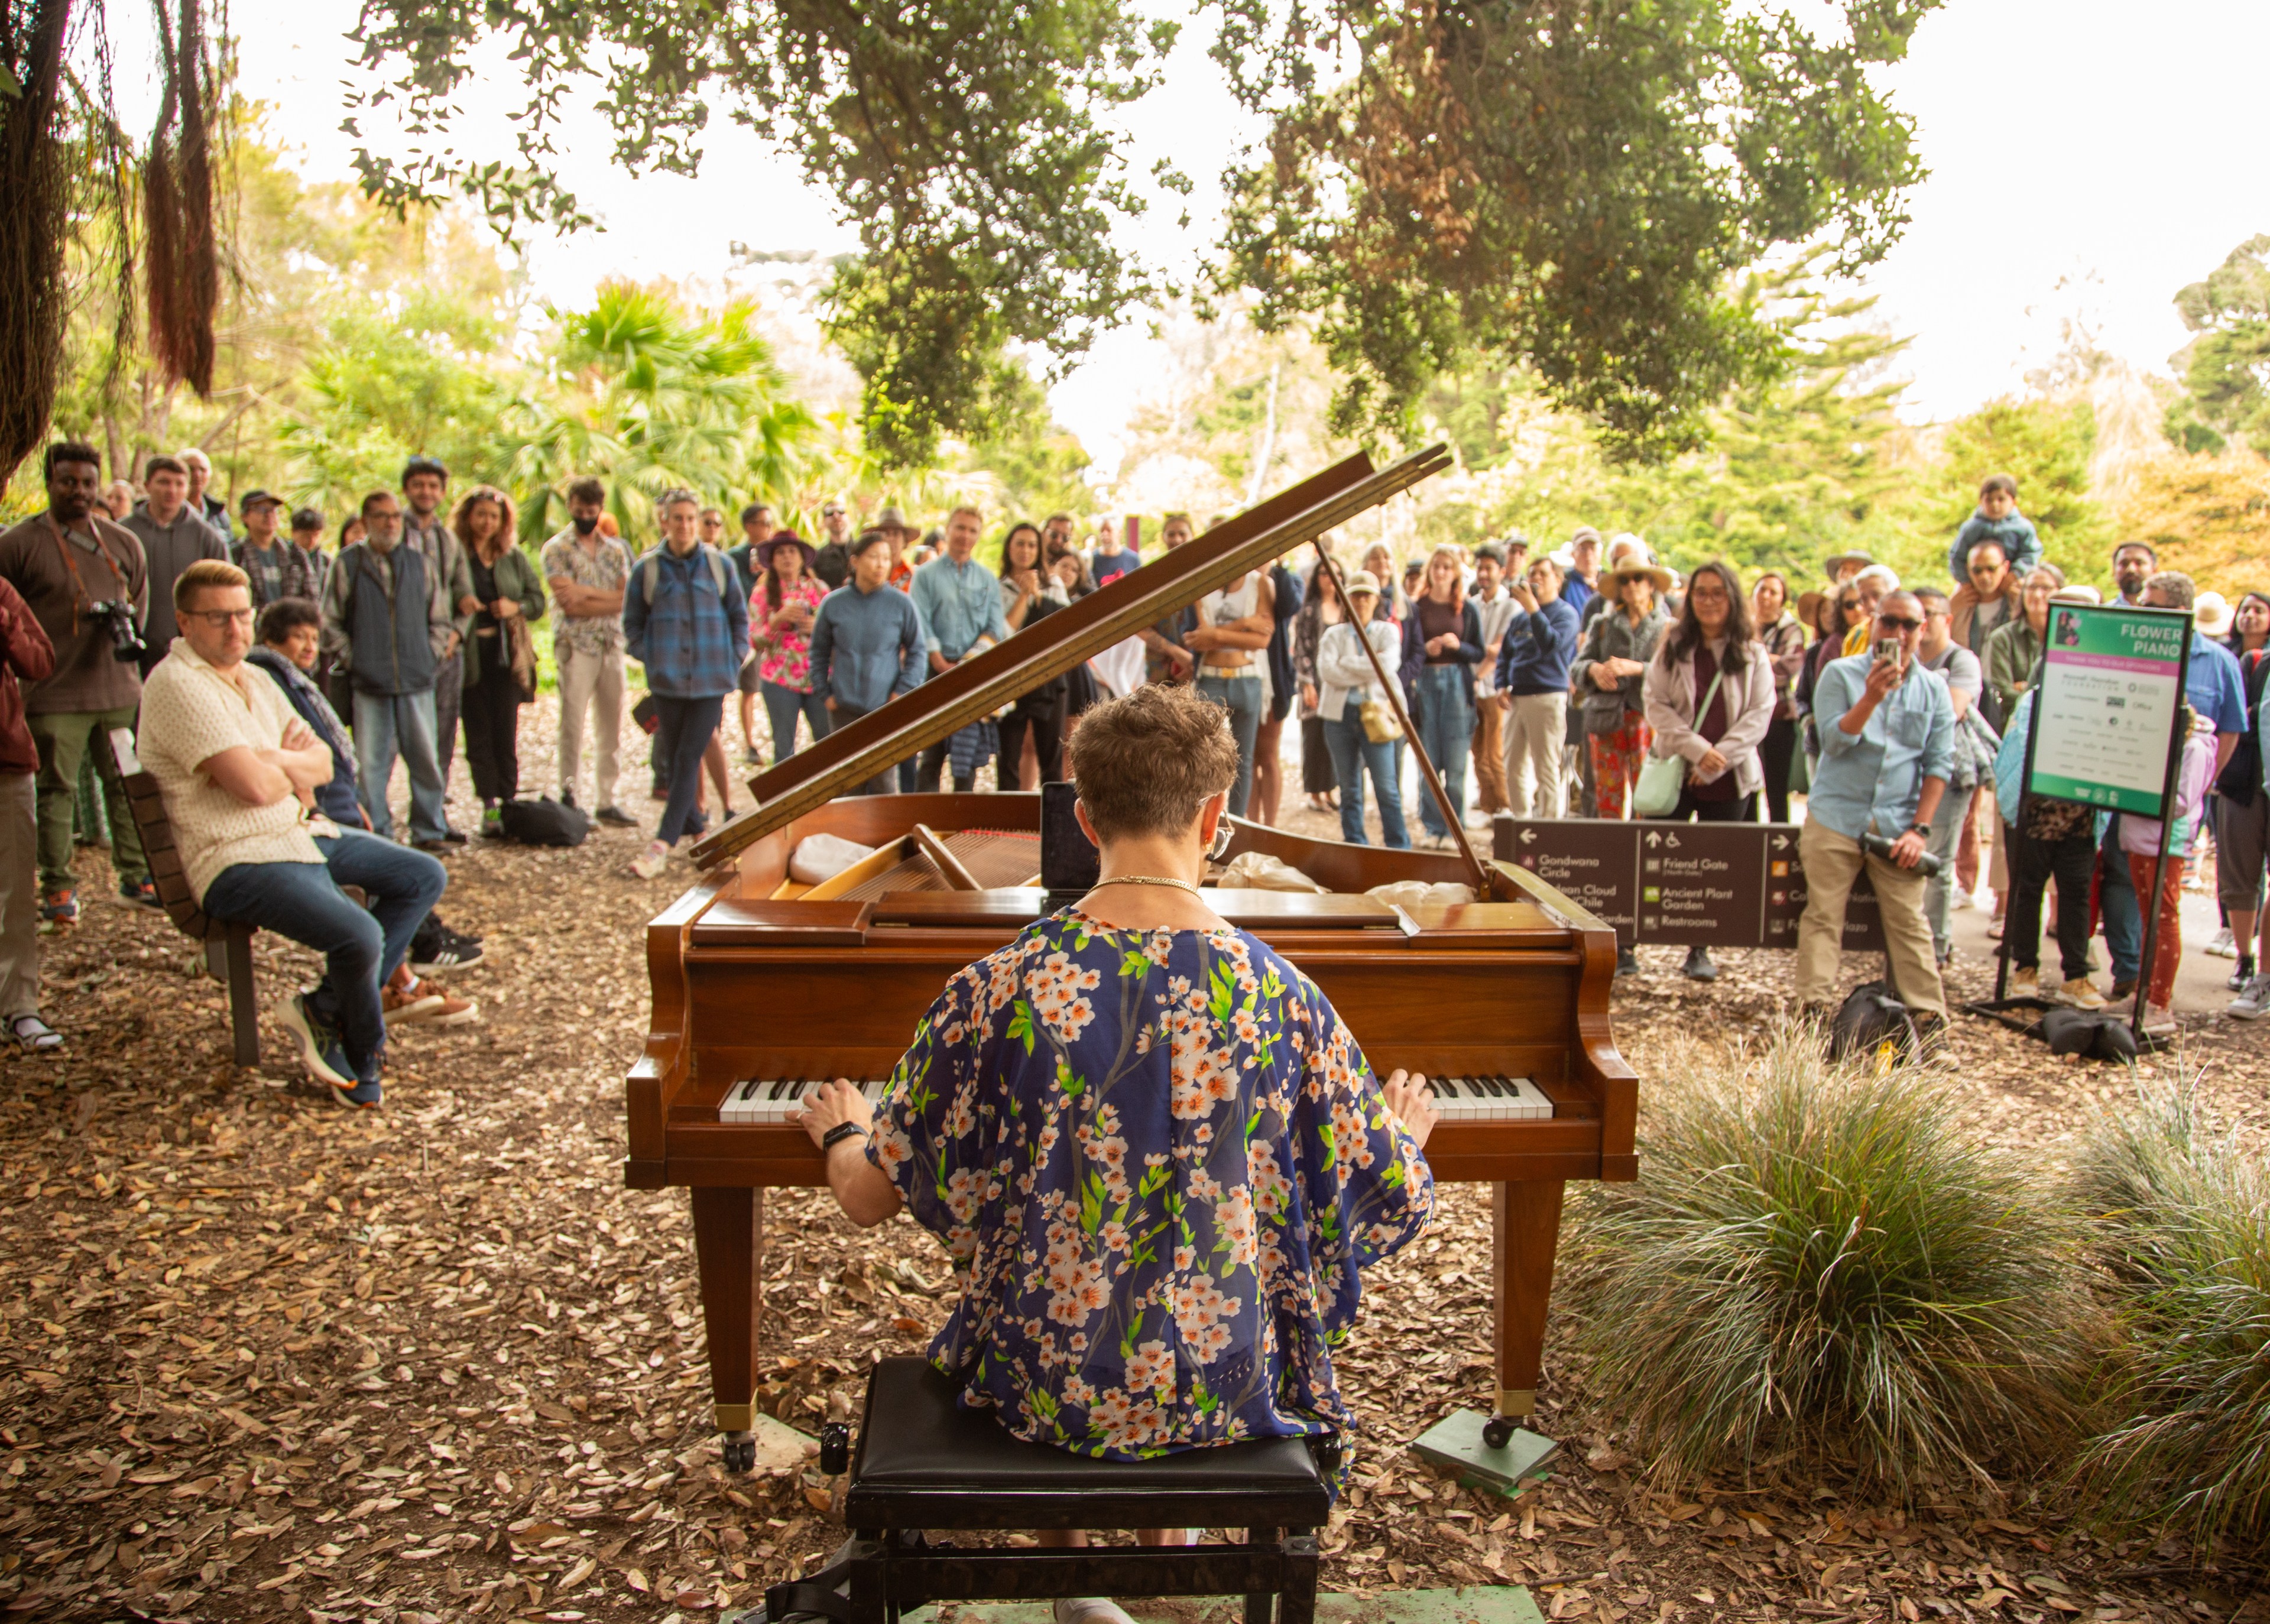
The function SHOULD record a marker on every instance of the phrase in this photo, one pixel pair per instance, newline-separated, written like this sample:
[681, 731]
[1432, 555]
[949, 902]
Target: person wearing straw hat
[1841, 567]
[1347, 687]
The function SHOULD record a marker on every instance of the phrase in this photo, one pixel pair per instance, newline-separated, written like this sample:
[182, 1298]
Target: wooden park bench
[228, 947]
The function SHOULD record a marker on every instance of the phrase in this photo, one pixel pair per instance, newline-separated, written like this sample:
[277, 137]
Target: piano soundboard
[779, 1100]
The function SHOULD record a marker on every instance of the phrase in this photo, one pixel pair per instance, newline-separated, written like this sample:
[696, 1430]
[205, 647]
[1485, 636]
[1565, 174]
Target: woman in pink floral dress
[781, 610]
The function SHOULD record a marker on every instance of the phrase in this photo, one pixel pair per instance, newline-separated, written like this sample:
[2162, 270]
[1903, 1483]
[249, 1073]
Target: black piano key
[1445, 1087]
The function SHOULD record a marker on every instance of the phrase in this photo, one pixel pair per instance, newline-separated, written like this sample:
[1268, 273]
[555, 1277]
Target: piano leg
[728, 1251]
[1527, 1220]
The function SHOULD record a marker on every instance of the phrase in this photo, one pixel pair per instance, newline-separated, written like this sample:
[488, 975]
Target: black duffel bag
[544, 822]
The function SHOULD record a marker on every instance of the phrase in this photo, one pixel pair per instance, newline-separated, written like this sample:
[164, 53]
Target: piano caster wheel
[835, 1448]
[1498, 1431]
[740, 1453]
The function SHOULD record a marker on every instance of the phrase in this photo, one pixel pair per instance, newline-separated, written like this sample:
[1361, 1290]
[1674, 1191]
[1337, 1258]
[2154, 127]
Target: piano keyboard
[1489, 1099]
[773, 1101]
[777, 1100]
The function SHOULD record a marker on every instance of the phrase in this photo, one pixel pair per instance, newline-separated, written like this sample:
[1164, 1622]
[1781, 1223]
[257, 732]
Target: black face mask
[583, 526]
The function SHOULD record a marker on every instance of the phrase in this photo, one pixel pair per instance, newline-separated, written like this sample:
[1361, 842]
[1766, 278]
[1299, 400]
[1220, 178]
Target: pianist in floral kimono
[1157, 1148]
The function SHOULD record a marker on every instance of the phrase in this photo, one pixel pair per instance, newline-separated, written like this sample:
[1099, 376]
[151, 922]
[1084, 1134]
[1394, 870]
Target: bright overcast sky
[2088, 158]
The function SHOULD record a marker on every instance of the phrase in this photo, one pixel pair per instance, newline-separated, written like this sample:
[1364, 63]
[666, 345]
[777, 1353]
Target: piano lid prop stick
[1452, 819]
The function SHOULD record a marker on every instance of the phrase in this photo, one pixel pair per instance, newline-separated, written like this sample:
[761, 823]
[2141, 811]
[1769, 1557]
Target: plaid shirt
[283, 569]
[565, 559]
[691, 637]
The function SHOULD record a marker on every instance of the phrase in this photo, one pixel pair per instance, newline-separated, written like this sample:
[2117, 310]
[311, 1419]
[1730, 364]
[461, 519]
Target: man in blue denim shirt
[866, 643]
[959, 602]
[685, 619]
[1886, 750]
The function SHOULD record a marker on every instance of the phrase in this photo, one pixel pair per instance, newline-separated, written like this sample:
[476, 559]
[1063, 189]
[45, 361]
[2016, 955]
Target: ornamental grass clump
[1818, 1258]
[2182, 1224]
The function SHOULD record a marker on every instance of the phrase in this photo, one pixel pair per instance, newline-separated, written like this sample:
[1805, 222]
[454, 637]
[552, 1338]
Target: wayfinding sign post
[1682, 885]
[2107, 729]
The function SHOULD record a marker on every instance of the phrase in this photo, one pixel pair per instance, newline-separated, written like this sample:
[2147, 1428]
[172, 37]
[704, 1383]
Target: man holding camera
[88, 583]
[1887, 751]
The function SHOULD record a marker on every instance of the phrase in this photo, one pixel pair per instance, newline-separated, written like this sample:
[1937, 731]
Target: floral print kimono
[1164, 1161]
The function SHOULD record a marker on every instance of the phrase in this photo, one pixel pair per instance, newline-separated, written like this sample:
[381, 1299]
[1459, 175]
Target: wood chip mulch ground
[261, 1358]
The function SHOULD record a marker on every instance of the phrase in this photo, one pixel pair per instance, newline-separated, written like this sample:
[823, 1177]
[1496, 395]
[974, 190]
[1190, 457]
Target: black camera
[116, 617]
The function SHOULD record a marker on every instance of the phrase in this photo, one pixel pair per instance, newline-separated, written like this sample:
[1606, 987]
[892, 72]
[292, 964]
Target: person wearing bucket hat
[780, 611]
[1347, 689]
[899, 536]
[1841, 567]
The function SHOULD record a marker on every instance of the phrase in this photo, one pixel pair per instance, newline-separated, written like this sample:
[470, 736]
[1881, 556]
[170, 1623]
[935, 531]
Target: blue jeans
[1446, 728]
[682, 732]
[384, 723]
[1352, 751]
[1938, 891]
[2116, 901]
[360, 948]
[844, 716]
[1241, 696]
[782, 708]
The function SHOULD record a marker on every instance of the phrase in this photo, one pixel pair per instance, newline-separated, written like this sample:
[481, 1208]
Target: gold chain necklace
[1147, 879]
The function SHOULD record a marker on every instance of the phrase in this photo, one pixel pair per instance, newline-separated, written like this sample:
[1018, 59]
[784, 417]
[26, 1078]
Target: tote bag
[1662, 779]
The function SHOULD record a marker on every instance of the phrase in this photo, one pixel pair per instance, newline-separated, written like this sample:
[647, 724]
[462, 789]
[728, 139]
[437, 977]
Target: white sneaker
[2159, 1020]
[650, 862]
[1090, 1610]
[2026, 981]
[2222, 947]
[1964, 901]
[2252, 1004]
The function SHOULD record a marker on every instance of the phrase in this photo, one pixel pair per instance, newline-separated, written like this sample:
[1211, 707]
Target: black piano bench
[924, 1463]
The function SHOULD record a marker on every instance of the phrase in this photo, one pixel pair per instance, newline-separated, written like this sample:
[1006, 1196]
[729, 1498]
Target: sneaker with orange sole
[426, 1001]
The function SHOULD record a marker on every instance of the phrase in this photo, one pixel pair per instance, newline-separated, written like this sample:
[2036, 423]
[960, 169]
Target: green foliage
[969, 142]
[1035, 462]
[2226, 369]
[1568, 187]
[2182, 1226]
[1819, 1258]
[2046, 446]
[648, 395]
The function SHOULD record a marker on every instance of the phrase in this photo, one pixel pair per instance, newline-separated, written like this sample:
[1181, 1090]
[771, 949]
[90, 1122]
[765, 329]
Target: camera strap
[79, 592]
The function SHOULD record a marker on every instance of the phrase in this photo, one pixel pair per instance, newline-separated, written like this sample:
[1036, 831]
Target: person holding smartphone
[1887, 751]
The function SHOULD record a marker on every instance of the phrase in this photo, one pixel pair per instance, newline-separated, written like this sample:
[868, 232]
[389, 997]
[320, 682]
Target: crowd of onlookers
[271, 674]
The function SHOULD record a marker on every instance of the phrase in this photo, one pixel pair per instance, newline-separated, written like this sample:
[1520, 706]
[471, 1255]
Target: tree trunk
[34, 219]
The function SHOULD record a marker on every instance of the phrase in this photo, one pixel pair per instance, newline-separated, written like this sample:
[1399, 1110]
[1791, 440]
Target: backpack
[2086, 1032]
[1871, 1017]
[545, 823]
[720, 571]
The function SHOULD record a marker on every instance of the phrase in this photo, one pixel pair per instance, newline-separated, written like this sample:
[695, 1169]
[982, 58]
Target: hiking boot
[2253, 1001]
[1698, 965]
[2080, 993]
[59, 907]
[615, 817]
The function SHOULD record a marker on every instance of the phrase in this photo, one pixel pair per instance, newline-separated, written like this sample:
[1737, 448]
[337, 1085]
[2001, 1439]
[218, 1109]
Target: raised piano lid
[981, 685]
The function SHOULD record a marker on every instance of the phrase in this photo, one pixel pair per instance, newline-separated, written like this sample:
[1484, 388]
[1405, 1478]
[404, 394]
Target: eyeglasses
[1899, 623]
[218, 618]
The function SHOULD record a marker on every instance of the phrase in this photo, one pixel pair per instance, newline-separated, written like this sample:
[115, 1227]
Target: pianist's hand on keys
[1413, 1104]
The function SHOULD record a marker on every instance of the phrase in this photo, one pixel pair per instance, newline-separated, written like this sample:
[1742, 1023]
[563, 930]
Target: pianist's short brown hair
[1145, 764]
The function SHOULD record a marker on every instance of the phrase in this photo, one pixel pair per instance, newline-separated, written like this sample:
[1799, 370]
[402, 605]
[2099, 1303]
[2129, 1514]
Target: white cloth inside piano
[777, 1100]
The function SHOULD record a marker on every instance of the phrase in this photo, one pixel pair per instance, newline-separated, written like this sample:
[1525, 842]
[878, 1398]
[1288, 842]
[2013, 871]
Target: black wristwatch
[839, 1133]
[1920, 828]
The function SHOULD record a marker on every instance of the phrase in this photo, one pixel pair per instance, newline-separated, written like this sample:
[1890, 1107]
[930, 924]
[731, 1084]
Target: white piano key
[1491, 1098]
[776, 1101]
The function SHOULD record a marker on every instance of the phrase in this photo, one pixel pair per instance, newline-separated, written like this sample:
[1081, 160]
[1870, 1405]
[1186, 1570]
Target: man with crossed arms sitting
[239, 771]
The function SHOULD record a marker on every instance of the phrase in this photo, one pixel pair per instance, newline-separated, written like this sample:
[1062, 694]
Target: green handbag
[1662, 779]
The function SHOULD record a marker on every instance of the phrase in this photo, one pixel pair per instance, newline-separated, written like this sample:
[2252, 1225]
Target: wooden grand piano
[763, 986]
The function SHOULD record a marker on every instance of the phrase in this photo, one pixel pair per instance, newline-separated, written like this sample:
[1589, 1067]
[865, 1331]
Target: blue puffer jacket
[2020, 545]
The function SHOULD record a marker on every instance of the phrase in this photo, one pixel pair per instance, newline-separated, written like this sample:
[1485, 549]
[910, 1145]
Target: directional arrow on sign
[1529, 837]
[1780, 842]
[1655, 840]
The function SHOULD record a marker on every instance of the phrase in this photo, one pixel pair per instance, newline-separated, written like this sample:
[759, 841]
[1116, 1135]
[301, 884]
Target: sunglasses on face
[1899, 623]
